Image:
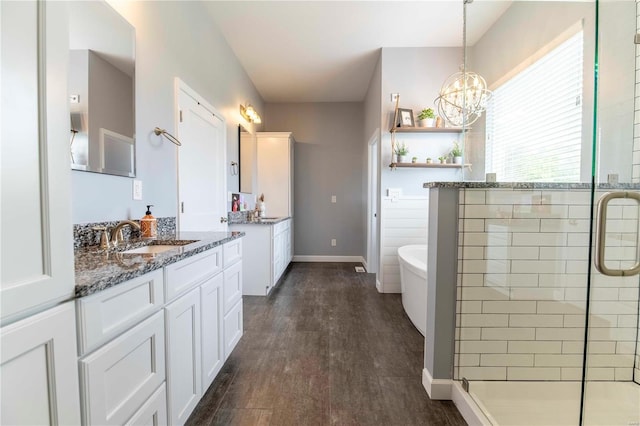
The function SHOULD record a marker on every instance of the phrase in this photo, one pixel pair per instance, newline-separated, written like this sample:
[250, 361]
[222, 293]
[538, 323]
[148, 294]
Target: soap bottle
[149, 225]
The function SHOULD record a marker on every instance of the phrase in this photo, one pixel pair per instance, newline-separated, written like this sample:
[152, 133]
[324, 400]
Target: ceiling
[326, 51]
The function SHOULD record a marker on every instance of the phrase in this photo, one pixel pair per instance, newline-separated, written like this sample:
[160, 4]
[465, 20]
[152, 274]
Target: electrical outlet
[394, 97]
[137, 189]
[334, 199]
[333, 242]
[74, 99]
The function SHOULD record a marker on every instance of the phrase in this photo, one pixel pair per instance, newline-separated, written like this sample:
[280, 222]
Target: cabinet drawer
[108, 313]
[152, 412]
[232, 328]
[118, 378]
[232, 252]
[232, 286]
[186, 274]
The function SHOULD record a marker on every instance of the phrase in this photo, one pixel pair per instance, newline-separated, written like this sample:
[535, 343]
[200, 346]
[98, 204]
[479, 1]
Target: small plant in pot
[427, 118]
[414, 160]
[442, 159]
[429, 160]
[456, 153]
[401, 152]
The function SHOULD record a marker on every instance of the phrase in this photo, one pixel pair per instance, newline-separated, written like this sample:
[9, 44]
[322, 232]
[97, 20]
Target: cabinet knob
[223, 220]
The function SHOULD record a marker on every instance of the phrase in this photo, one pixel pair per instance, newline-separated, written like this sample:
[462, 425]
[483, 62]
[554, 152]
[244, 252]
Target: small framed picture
[405, 118]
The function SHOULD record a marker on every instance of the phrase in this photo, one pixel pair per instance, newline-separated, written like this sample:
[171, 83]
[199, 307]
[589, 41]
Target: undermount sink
[156, 248]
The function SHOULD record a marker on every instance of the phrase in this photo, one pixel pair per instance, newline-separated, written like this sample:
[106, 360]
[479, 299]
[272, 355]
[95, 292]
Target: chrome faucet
[116, 233]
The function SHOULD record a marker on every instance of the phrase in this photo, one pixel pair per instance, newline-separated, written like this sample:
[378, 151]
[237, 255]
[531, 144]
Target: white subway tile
[614, 211]
[525, 293]
[472, 280]
[483, 373]
[627, 348]
[538, 320]
[555, 307]
[534, 347]
[564, 225]
[508, 333]
[538, 266]
[469, 360]
[615, 334]
[484, 320]
[485, 239]
[627, 320]
[553, 360]
[470, 306]
[617, 307]
[540, 211]
[488, 266]
[474, 196]
[631, 212]
[512, 225]
[600, 280]
[594, 347]
[578, 239]
[562, 253]
[620, 253]
[562, 334]
[622, 225]
[484, 293]
[572, 347]
[472, 253]
[629, 294]
[577, 197]
[508, 196]
[607, 294]
[537, 239]
[483, 347]
[472, 225]
[580, 212]
[576, 294]
[600, 374]
[623, 374]
[478, 211]
[511, 280]
[509, 307]
[571, 373]
[493, 252]
[563, 280]
[533, 373]
[577, 266]
[506, 360]
[470, 333]
[574, 320]
[610, 360]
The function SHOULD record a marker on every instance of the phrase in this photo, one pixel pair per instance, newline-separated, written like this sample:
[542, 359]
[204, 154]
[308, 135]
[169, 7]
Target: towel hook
[158, 131]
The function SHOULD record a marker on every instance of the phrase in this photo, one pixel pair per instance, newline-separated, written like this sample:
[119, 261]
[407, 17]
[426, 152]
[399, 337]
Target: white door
[372, 206]
[201, 165]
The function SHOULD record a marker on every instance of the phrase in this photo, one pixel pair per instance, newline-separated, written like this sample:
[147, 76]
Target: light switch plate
[334, 199]
[137, 189]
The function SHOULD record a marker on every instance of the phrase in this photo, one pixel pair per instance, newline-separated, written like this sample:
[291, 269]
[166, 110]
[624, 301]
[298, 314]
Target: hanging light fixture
[250, 114]
[464, 94]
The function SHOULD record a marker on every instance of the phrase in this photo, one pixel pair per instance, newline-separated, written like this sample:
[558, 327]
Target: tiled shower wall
[522, 282]
[635, 173]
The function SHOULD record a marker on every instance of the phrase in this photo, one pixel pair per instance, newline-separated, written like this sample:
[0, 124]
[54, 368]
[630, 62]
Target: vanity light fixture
[250, 114]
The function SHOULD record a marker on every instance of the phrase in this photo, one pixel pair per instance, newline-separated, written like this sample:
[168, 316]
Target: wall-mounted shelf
[426, 130]
[432, 165]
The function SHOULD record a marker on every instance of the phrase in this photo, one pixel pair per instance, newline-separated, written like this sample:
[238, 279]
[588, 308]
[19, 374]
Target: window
[534, 120]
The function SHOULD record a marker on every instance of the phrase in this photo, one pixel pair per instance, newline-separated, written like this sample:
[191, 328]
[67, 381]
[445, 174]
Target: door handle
[223, 220]
[601, 233]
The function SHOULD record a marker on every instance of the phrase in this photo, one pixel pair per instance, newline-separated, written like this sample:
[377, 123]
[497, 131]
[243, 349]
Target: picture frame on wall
[405, 118]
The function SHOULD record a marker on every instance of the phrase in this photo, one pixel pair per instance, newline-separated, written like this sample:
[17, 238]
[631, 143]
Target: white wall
[328, 161]
[173, 39]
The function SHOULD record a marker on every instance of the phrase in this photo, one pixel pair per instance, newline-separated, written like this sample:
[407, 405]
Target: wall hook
[158, 131]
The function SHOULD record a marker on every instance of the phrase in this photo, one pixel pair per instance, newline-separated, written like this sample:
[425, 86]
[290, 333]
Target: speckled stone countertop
[529, 185]
[267, 221]
[98, 269]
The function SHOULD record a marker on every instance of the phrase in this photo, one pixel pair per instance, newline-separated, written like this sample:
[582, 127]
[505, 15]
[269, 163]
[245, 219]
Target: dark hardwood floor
[325, 348]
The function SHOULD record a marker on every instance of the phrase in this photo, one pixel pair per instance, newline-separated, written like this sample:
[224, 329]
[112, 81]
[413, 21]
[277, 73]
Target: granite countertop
[529, 185]
[263, 221]
[98, 269]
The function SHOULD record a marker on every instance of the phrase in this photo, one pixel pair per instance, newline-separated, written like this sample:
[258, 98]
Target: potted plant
[426, 118]
[401, 151]
[429, 160]
[442, 159]
[456, 153]
[414, 160]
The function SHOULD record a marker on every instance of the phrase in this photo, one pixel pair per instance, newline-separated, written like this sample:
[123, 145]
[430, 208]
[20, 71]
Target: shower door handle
[601, 233]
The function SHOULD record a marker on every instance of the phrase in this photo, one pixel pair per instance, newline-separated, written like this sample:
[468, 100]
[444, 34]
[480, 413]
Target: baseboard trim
[342, 259]
[467, 407]
[436, 388]
[379, 286]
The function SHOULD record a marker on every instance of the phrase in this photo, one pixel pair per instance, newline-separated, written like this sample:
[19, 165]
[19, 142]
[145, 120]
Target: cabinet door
[232, 328]
[39, 370]
[153, 411]
[183, 356]
[232, 290]
[35, 172]
[211, 327]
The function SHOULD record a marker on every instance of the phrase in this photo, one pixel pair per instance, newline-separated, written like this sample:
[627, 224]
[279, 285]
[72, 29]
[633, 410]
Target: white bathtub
[413, 280]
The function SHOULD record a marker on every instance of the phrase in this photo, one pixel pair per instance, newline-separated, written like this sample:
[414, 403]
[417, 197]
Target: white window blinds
[534, 120]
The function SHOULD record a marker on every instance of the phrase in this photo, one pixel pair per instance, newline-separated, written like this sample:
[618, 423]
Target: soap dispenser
[149, 224]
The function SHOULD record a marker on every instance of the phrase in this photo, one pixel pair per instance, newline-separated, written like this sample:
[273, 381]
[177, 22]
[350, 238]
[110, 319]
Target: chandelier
[463, 98]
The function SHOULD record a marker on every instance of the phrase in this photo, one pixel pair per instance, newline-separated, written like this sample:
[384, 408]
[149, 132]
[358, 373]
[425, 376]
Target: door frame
[373, 179]
[180, 85]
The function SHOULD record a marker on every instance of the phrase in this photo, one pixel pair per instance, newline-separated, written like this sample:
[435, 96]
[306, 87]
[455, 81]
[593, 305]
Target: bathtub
[413, 281]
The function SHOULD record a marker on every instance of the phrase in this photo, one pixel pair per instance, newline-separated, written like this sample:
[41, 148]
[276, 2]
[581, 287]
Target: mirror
[247, 149]
[523, 35]
[101, 89]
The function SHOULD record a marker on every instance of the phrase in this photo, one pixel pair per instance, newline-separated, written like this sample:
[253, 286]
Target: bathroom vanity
[268, 250]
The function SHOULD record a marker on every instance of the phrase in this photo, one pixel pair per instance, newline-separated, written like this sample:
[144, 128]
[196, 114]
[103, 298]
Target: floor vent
[360, 269]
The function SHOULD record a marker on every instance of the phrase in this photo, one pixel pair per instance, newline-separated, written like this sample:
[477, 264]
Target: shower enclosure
[543, 335]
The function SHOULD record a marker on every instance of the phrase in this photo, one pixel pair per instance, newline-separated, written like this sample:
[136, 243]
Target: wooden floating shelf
[426, 130]
[432, 165]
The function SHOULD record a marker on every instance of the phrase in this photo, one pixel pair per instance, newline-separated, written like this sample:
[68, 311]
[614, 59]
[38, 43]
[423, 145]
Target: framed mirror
[101, 90]
[247, 149]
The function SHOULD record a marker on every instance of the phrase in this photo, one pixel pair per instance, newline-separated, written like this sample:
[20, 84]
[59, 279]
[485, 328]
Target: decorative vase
[427, 122]
[457, 160]
[401, 158]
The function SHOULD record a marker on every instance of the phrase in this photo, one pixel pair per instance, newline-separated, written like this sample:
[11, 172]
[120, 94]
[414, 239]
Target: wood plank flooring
[324, 349]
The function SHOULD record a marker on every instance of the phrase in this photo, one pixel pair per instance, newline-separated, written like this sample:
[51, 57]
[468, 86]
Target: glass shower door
[611, 375]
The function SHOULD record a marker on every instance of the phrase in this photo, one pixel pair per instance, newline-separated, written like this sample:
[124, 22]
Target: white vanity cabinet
[267, 251]
[274, 172]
